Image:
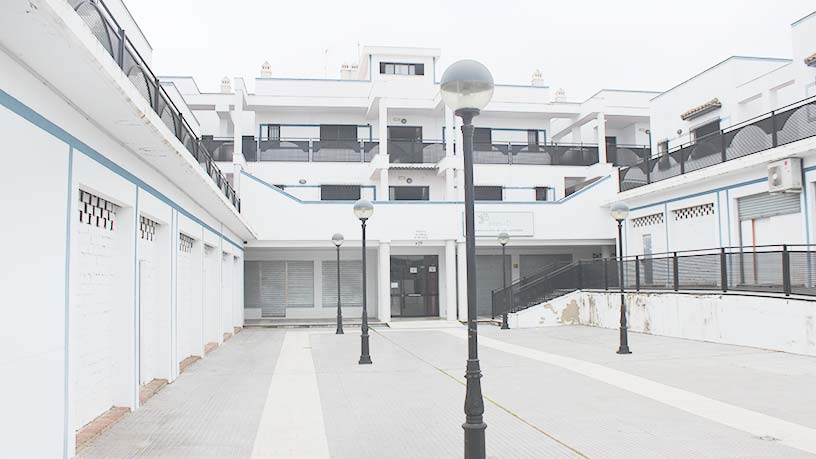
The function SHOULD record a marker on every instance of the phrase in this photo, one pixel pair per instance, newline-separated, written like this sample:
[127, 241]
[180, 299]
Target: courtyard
[554, 392]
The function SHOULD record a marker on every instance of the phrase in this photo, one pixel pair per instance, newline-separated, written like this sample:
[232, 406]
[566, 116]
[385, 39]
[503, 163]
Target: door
[415, 286]
[405, 144]
[648, 272]
[489, 278]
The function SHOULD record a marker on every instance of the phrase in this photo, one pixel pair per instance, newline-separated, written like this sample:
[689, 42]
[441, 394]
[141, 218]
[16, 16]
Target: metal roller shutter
[766, 205]
[299, 284]
[351, 283]
[276, 285]
[489, 278]
[532, 264]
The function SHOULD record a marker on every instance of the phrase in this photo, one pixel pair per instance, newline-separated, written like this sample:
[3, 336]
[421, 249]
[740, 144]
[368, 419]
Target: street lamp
[338, 241]
[466, 88]
[504, 238]
[619, 212]
[363, 209]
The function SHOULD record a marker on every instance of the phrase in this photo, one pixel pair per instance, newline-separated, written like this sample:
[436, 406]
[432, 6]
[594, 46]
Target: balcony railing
[627, 155]
[779, 127]
[415, 151]
[110, 34]
[221, 149]
[544, 154]
[312, 150]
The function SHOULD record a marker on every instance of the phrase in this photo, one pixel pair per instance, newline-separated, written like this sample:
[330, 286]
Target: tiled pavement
[408, 404]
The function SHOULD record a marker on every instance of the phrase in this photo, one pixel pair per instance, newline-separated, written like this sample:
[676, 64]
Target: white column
[382, 190]
[450, 185]
[462, 277]
[384, 281]
[450, 280]
[576, 134]
[238, 159]
[601, 138]
[383, 126]
[450, 134]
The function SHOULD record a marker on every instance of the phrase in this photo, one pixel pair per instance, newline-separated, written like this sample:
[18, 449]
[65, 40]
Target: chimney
[226, 86]
[266, 70]
[560, 95]
[348, 72]
[537, 79]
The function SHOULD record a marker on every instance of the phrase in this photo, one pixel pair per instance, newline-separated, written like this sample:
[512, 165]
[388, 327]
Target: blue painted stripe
[43, 123]
[300, 201]
[67, 328]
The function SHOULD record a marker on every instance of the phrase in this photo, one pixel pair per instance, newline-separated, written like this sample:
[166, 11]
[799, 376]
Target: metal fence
[779, 127]
[543, 154]
[780, 269]
[113, 38]
[311, 150]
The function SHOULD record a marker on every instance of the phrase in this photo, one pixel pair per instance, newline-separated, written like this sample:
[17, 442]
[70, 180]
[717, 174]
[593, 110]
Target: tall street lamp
[619, 212]
[363, 209]
[466, 88]
[337, 239]
[504, 238]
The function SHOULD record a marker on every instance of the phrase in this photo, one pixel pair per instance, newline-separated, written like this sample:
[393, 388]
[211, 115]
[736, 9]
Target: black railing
[113, 38]
[780, 269]
[221, 149]
[627, 155]
[311, 150]
[779, 127]
[544, 154]
[415, 151]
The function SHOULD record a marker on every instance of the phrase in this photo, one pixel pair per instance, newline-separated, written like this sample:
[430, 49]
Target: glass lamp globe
[504, 238]
[619, 211]
[466, 84]
[337, 239]
[363, 209]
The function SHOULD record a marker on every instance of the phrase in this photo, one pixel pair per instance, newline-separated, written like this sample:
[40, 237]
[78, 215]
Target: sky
[579, 45]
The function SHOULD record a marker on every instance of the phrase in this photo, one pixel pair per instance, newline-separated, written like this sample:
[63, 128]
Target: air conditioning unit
[785, 176]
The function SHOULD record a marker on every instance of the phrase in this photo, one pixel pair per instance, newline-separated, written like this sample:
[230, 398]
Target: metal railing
[627, 155]
[312, 150]
[221, 149]
[113, 38]
[780, 269]
[543, 154]
[779, 127]
[415, 151]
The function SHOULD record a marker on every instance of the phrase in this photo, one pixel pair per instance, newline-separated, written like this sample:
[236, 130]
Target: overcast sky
[579, 45]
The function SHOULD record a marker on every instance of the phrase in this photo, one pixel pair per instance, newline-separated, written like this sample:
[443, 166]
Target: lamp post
[619, 212]
[363, 209]
[466, 88]
[337, 239]
[504, 238]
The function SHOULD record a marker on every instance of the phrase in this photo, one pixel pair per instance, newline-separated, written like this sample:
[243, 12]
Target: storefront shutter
[766, 205]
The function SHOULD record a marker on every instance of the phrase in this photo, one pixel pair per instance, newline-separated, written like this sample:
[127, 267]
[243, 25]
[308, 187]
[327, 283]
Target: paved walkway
[557, 392]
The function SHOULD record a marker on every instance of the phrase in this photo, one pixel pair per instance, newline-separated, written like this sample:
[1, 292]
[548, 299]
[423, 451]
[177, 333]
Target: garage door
[277, 285]
[489, 278]
[189, 319]
[765, 205]
[532, 264]
[351, 283]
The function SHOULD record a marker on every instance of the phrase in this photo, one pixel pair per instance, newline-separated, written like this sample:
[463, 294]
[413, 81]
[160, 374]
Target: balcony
[415, 152]
[788, 124]
[542, 154]
[312, 150]
[221, 149]
[113, 38]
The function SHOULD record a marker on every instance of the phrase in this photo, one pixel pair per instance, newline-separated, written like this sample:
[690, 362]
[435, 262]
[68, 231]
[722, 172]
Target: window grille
[96, 211]
[694, 212]
[647, 220]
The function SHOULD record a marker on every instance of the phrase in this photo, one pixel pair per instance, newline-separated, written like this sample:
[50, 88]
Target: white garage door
[276, 285]
[189, 319]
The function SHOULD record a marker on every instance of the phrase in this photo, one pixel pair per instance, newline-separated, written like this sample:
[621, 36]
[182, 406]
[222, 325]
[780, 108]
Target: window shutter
[419, 69]
[766, 205]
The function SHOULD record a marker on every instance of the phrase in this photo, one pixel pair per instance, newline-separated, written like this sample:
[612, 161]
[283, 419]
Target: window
[270, 132]
[482, 136]
[339, 192]
[573, 184]
[706, 129]
[394, 68]
[409, 193]
[488, 193]
[544, 193]
[338, 132]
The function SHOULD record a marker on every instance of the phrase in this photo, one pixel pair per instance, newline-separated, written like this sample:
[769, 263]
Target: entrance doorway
[414, 286]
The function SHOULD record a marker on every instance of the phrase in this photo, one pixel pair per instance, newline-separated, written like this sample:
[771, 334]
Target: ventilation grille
[694, 212]
[147, 228]
[647, 220]
[96, 211]
[185, 243]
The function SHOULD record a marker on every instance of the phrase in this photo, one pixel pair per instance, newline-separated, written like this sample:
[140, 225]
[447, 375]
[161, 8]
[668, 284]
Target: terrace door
[405, 144]
[414, 286]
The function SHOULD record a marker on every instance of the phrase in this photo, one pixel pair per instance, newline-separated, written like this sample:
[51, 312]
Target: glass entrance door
[414, 286]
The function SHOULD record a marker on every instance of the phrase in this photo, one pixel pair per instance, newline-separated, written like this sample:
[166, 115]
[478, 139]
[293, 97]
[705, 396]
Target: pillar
[601, 138]
[384, 283]
[450, 280]
[450, 185]
[450, 134]
[383, 126]
[382, 190]
[576, 134]
[237, 148]
[461, 267]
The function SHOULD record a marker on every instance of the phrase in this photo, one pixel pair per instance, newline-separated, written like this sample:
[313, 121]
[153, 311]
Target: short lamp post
[504, 238]
[619, 212]
[467, 87]
[363, 209]
[337, 239]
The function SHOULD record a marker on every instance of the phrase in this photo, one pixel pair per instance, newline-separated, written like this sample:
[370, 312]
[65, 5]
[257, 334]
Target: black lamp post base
[365, 360]
[474, 440]
[504, 325]
[339, 331]
[623, 350]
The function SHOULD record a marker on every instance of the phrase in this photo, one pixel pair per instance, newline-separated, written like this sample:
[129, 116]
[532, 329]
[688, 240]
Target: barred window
[647, 220]
[147, 228]
[185, 243]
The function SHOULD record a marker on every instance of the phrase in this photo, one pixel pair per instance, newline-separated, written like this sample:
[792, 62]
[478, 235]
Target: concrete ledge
[766, 322]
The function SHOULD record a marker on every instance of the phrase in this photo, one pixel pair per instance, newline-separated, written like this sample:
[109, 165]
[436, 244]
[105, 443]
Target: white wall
[785, 325]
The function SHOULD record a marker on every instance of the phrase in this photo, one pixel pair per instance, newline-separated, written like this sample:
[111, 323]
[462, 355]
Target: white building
[165, 216]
